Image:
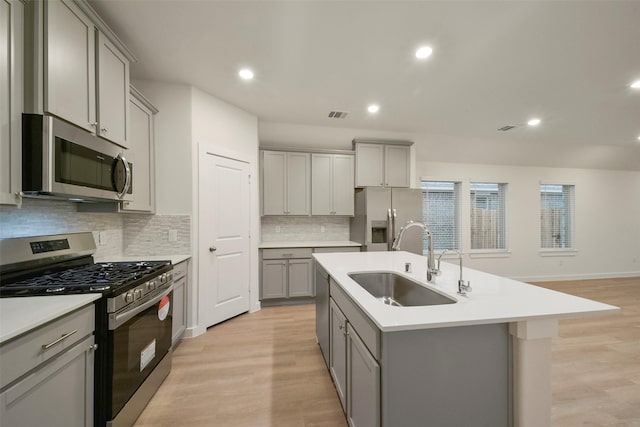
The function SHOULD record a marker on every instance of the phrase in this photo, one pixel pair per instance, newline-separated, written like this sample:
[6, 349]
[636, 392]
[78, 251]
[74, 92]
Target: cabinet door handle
[62, 338]
[104, 130]
[287, 255]
[213, 249]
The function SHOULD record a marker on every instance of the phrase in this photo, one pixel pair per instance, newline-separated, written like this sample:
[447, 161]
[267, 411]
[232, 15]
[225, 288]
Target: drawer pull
[62, 338]
[287, 255]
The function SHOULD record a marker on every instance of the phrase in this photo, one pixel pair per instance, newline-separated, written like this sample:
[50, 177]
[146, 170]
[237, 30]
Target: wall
[607, 230]
[233, 133]
[122, 234]
[307, 228]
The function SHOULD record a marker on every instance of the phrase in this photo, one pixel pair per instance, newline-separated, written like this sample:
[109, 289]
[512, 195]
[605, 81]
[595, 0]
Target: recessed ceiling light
[373, 108]
[246, 74]
[424, 52]
[635, 85]
[638, 138]
[534, 122]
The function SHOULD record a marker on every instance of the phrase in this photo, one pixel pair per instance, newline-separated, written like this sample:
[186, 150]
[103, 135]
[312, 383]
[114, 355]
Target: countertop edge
[308, 244]
[41, 310]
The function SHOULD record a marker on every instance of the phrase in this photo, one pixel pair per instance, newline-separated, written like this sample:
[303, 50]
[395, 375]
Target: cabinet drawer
[365, 328]
[19, 356]
[286, 253]
[337, 249]
[180, 270]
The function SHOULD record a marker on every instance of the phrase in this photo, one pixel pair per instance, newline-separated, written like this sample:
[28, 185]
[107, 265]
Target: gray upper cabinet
[113, 92]
[141, 154]
[286, 183]
[369, 165]
[397, 166]
[332, 184]
[11, 73]
[77, 69]
[69, 74]
[383, 165]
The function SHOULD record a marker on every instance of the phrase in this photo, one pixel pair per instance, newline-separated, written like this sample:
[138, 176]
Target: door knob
[212, 249]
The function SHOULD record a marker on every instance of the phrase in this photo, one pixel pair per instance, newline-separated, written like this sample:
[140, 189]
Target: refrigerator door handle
[393, 229]
[389, 230]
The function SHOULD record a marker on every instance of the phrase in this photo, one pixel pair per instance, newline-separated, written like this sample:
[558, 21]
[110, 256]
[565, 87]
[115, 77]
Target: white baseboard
[556, 278]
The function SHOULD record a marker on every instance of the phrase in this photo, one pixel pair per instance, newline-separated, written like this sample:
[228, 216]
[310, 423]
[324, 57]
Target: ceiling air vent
[338, 114]
[506, 128]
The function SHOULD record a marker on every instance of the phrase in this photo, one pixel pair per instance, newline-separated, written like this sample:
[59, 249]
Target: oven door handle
[117, 320]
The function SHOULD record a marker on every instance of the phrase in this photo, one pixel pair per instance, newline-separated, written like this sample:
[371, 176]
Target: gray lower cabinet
[286, 273]
[46, 374]
[58, 394]
[363, 383]
[355, 372]
[180, 298]
[338, 351]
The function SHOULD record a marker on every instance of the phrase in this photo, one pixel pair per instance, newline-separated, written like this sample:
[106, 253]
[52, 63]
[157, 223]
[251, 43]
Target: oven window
[138, 346]
[82, 166]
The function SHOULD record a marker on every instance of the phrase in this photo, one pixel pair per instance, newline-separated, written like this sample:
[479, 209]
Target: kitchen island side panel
[448, 377]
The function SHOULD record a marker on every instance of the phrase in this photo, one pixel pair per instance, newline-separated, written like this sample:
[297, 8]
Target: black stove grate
[99, 277]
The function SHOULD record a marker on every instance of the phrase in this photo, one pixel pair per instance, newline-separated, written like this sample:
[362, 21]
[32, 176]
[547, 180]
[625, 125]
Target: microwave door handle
[127, 175]
[119, 319]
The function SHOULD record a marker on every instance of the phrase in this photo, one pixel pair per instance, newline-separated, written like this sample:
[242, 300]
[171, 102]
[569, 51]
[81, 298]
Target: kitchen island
[483, 360]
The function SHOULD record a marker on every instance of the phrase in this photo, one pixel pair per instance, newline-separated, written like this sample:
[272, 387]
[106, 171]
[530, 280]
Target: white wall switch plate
[173, 235]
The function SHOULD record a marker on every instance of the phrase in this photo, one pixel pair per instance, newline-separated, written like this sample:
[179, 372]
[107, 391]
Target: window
[488, 217]
[441, 210]
[557, 204]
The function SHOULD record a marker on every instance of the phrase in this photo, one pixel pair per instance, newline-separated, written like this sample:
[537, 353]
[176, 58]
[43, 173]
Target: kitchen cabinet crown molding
[381, 141]
[104, 28]
[307, 150]
[143, 99]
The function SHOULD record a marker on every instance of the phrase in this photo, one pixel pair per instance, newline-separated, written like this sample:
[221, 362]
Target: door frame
[196, 317]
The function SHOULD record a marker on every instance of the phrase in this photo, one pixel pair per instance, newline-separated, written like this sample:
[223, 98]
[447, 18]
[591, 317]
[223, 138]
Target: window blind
[488, 215]
[441, 211]
[557, 206]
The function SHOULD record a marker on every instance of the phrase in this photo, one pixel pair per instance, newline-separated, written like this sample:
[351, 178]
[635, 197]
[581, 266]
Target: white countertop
[493, 299]
[21, 314]
[175, 259]
[308, 244]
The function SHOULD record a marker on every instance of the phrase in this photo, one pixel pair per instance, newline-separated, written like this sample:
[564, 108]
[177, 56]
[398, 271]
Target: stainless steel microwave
[64, 161]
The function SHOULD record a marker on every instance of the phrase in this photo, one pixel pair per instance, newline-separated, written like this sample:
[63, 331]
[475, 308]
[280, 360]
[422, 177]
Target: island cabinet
[332, 183]
[46, 375]
[286, 183]
[78, 69]
[11, 54]
[286, 275]
[383, 164]
[447, 376]
[180, 299]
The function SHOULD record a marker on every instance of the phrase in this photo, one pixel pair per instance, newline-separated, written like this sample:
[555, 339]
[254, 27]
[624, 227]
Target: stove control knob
[128, 297]
[163, 278]
[137, 294]
[151, 285]
[169, 276]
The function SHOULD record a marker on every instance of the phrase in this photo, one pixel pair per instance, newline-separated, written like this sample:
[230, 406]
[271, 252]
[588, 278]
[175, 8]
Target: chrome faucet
[463, 287]
[431, 268]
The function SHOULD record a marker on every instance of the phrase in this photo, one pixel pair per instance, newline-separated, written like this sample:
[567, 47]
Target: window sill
[489, 253]
[558, 252]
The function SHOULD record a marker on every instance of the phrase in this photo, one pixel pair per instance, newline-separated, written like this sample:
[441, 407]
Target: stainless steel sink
[396, 290]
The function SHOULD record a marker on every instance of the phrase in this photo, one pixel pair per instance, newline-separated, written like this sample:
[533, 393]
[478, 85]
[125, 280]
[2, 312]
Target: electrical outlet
[277, 228]
[322, 228]
[102, 238]
[173, 235]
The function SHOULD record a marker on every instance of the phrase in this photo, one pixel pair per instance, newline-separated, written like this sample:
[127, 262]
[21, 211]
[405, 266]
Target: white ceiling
[495, 63]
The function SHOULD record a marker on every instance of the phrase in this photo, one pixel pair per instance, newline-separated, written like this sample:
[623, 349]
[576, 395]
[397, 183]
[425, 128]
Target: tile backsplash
[122, 234]
[310, 228]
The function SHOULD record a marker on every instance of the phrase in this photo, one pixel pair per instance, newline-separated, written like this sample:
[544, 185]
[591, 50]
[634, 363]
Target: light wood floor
[265, 369]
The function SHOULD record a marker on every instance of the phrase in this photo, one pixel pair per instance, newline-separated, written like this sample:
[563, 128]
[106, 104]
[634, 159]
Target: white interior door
[224, 257]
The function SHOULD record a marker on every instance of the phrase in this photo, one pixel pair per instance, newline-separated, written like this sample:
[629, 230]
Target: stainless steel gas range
[133, 317]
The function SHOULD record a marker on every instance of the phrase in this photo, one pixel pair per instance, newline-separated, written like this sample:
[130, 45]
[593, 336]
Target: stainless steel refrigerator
[381, 212]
